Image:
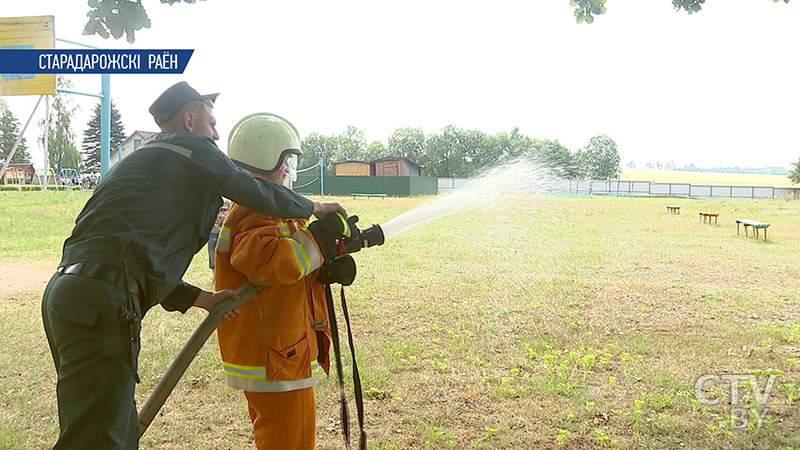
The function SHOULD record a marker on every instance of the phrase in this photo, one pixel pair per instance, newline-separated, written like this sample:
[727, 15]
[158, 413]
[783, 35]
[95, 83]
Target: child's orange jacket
[281, 335]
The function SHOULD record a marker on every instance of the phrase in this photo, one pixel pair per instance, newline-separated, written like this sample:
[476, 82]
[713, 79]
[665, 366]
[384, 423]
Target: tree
[316, 146]
[91, 137]
[512, 145]
[9, 132]
[556, 157]
[794, 174]
[479, 152]
[61, 149]
[408, 143]
[376, 150]
[585, 10]
[602, 158]
[351, 145]
[444, 153]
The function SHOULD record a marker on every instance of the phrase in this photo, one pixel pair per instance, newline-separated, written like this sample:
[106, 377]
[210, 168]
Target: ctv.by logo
[739, 414]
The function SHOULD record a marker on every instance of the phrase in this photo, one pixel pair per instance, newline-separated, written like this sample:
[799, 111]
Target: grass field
[542, 323]
[707, 178]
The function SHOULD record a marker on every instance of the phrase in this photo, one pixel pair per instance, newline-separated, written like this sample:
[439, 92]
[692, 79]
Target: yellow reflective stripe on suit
[254, 379]
[224, 240]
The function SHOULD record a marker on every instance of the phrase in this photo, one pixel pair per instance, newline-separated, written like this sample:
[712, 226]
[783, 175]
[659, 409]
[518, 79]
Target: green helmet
[259, 141]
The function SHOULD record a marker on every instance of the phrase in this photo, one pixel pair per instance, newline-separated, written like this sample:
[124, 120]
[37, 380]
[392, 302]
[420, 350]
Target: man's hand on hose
[208, 300]
[321, 209]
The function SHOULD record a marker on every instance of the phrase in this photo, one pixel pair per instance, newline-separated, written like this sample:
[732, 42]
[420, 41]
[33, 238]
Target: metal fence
[648, 188]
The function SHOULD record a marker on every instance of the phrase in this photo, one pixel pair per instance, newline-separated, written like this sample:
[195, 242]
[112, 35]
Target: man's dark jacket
[155, 209]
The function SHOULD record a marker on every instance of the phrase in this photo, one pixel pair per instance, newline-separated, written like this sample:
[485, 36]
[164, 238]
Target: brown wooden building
[354, 168]
[396, 166]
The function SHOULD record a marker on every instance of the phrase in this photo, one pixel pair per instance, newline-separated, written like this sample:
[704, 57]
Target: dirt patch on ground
[28, 276]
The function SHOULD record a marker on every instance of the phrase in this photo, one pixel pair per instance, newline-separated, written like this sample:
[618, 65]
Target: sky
[716, 88]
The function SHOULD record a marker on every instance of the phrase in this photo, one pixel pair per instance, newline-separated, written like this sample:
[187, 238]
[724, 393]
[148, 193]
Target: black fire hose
[189, 351]
[359, 396]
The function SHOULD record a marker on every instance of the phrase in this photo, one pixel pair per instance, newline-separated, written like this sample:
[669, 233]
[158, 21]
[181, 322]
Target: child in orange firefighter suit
[274, 347]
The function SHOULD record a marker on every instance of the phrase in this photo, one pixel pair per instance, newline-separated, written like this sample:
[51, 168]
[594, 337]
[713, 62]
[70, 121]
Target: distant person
[212, 238]
[130, 247]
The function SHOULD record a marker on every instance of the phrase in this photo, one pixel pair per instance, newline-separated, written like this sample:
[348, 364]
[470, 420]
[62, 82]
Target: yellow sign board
[21, 33]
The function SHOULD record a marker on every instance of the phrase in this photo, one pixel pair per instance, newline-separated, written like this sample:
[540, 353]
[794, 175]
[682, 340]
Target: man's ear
[188, 120]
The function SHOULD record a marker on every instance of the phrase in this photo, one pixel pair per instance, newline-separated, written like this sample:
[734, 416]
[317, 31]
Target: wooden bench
[752, 223]
[359, 194]
[674, 209]
[708, 215]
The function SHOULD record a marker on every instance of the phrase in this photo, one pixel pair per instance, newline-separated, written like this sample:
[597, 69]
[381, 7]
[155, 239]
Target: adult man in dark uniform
[129, 249]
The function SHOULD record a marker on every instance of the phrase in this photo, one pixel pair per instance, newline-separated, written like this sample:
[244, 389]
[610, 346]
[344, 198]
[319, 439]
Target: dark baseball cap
[174, 99]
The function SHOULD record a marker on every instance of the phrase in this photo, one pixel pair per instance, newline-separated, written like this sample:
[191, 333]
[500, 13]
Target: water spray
[527, 174]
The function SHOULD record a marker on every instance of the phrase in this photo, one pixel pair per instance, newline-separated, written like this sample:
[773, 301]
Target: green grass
[541, 323]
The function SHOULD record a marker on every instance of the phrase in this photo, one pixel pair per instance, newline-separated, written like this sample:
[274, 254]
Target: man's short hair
[174, 99]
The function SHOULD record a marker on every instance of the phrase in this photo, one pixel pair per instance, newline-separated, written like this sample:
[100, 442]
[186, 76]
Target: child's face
[287, 168]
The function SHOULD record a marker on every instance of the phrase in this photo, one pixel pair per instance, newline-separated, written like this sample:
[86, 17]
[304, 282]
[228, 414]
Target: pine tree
[9, 131]
[91, 137]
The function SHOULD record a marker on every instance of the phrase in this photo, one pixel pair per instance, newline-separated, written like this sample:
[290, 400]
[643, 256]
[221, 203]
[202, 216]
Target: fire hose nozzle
[368, 237]
[372, 235]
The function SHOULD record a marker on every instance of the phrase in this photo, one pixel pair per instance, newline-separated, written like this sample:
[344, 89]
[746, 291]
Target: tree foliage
[452, 152]
[349, 145]
[376, 150]
[407, 142]
[119, 18]
[586, 10]
[9, 132]
[600, 159]
[794, 174]
[316, 146]
[61, 150]
[91, 137]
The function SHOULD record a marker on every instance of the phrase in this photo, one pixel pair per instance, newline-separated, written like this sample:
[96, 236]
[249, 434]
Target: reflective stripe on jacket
[272, 345]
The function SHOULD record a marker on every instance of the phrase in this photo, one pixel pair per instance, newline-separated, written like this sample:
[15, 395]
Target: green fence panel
[347, 185]
[423, 185]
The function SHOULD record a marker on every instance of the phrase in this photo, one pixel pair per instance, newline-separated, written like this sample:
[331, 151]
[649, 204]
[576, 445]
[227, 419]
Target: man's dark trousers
[92, 353]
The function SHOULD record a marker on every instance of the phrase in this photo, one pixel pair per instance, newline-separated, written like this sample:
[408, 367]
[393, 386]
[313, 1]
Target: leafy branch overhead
[124, 17]
[585, 10]
[119, 17]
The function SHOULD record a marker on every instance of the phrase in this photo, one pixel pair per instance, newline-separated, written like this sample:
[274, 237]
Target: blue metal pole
[119, 153]
[105, 125]
[321, 178]
[70, 91]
